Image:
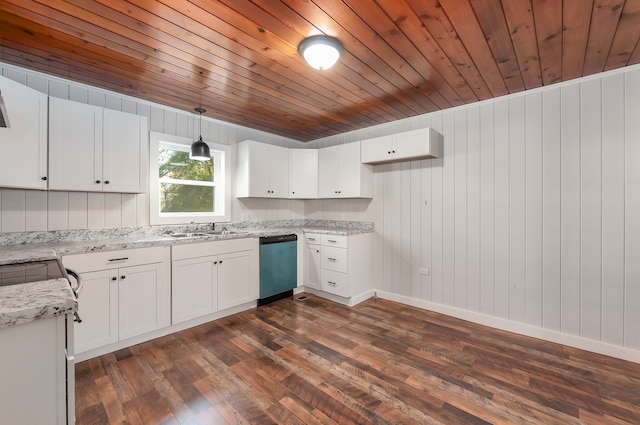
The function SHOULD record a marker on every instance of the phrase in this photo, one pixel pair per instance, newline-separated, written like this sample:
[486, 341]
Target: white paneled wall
[532, 216]
[22, 210]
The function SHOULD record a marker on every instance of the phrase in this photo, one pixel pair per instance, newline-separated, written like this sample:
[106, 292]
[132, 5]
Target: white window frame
[223, 202]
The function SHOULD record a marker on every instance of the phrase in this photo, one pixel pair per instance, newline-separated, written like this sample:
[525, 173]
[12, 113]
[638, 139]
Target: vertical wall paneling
[473, 209]
[426, 219]
[13, 208]
[501, 154]
[113, 210]
[533, 209]
[437, 214]
[406, 264]
[129, 210]
[487, 209]
[58, 217]
[78, 210]
[414, 227]
[570, 211]
[591, 209]
[460, 209]
[96, 211]
[551, 206]
[613, 185]
[448, 209]
[632, 210]
[517, 214]
[36, 210]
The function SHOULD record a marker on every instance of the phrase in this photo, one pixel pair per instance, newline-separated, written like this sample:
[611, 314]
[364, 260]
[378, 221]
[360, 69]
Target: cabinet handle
[106, 182]
[98, 182]
[114, 278]
[332, 240]
[44, 178]
[317, 250]
[113, 260]
[123, 277]
[220, 262]
[331, 259]
[312, 239]
[215, 262]
[331, 283]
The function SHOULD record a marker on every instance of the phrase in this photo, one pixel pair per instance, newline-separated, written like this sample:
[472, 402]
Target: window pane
[176, 164]
[186, 198]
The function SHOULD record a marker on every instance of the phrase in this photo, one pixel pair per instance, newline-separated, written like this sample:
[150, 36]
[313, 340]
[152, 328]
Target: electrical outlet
[425, 272]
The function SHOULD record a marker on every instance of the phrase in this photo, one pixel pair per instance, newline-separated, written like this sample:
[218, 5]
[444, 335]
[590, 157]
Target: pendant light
[321, 51]
[199, 149]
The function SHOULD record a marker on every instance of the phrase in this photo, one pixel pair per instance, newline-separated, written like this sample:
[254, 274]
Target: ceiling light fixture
[199, 149]
[321, 51]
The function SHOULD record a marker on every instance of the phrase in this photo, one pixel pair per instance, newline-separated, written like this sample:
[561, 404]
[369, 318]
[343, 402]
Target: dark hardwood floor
[317, 362]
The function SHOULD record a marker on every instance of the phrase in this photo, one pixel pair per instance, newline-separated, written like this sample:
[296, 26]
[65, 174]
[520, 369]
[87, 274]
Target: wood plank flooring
[317, 362]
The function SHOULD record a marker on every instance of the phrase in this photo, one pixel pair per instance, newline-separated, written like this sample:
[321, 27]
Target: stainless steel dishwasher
[278, 267]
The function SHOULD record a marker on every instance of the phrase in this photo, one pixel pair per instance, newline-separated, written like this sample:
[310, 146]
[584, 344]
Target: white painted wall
[26, 210]
[530, 221]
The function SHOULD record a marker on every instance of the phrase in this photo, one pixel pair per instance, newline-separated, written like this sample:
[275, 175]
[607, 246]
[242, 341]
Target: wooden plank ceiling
[239, 59]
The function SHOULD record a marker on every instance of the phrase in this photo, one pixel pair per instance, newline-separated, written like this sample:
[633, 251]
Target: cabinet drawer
[334, 240]
[313, 238]
[116, 259]
[334, 259]
[334, 282]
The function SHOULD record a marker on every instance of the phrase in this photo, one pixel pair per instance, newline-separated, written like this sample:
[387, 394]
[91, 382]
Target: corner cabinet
[424, 143]
[304, 173]
[23, 145]
[339, 267]
[262, 170]
[341, 173]
[208, 277]
[94, 149]
[125, 294]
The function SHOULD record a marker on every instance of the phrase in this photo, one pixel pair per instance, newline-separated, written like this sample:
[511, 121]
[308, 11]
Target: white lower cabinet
[213, 276]
[126, 294]
[340, 265]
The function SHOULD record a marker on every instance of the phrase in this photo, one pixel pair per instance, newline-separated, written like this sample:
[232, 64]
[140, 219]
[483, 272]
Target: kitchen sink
[187, 235]
[203, 234]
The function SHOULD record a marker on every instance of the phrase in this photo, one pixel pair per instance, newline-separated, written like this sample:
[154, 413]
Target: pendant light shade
[199, 149]
[321, 51]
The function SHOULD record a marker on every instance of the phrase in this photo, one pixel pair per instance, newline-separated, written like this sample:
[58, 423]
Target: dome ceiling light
[199, 149]
[321, 51]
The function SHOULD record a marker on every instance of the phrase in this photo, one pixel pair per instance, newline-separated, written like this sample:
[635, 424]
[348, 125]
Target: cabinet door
[143, 299]
[75, 146]
[376, 149]
[259, 170]
[235, 282]
[312, 278]
[193, 288]
[98, 309]
[328, 166]
[303, 173]
[27, 132]
[124, 152]
[411, 144]
[350, 171]
[279, 172]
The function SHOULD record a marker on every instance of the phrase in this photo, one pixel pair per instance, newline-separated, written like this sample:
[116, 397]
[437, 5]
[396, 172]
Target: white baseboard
[517, 327]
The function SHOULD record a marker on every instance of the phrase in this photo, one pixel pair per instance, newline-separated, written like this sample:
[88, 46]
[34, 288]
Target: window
[183, 190]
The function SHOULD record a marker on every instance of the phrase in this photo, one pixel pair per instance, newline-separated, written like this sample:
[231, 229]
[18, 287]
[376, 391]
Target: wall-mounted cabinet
[23, 145]
[424, 143]
[95, 149]
[341, 173]
[262, 170]
[304, 173]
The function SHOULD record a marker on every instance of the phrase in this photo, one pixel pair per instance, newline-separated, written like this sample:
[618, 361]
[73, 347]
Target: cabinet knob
[106, 182]
[123, 277]
[393, 151]
[389, 152]
[215, 262]
[98, 181]
[220, 262]
[114, 278]
[44, 178]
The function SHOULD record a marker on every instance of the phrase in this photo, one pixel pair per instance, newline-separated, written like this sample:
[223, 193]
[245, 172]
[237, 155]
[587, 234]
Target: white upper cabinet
[342, 175]
[95, 149]
[23, 145]
[304, 173]
[424, 143]
[262, 170]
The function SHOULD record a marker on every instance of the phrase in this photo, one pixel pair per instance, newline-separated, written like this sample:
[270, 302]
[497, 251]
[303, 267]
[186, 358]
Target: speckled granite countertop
[35, 300]
[31, 246]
